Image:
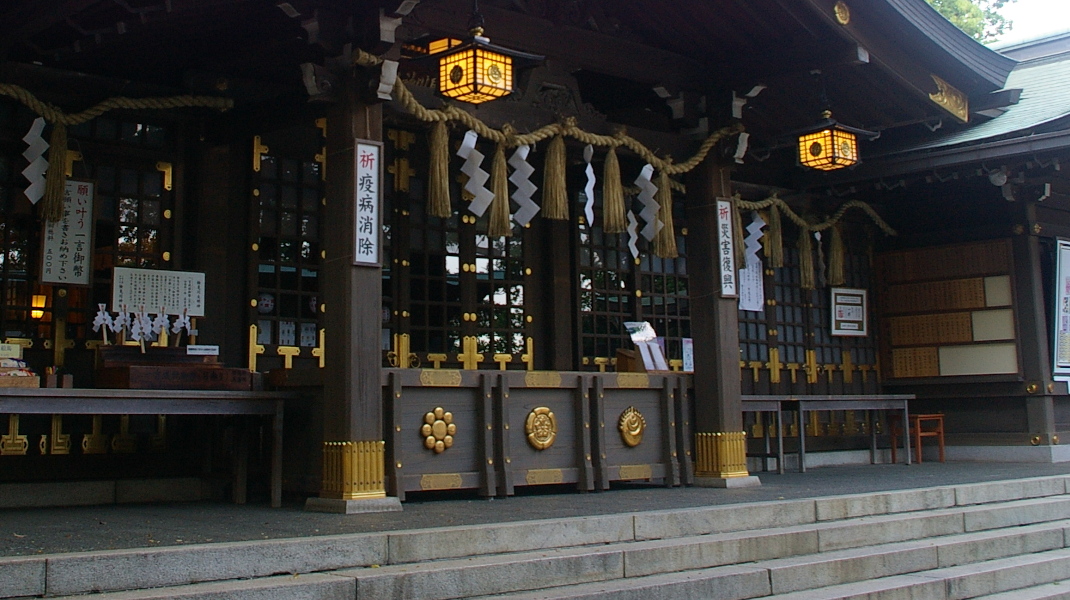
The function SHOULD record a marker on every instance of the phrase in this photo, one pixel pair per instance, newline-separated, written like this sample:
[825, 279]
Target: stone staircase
[1001, 540]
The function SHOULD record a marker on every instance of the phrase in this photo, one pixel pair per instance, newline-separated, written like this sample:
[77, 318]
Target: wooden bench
[78, 401]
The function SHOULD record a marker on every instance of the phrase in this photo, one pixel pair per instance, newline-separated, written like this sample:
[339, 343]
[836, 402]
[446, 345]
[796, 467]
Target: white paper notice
[751, 286]
[726, 256]
[68, 242]
[366, 227]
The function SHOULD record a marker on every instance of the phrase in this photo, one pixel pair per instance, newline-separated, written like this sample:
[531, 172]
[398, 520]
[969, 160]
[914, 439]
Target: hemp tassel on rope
[614, 219]
[773, 241]
[836, 257]
[665, 240]
[806, 259]
[438, 193]
[554, 192]
[56, 176]
[499, 186]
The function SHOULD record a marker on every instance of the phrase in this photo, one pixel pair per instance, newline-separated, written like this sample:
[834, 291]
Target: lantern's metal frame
[829, 145]
[474, 70]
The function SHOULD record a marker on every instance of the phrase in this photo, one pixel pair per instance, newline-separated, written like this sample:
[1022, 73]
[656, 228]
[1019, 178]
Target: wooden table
[802, 404]
[77, 401]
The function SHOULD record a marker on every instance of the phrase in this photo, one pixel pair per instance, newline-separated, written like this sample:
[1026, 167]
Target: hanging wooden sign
[68, 243]
[849, 312]
[366, 217]
[726, 257]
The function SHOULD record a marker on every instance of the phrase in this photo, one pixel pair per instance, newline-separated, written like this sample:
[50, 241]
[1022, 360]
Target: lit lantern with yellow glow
[37, 306]
[830, 145]
[475, 70]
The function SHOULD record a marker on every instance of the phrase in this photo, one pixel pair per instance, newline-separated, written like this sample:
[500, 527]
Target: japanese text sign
[68, 243]
[726, 257]
[366, 212]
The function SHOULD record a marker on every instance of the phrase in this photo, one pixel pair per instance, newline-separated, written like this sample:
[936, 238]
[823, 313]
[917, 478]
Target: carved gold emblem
[842, 12]
[951, 99]
[541, 427]
[438, 430]
[631, 425]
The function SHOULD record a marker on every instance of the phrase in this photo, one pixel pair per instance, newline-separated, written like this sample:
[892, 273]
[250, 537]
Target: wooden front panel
[567, 459]
[654, 457]
[413, 464]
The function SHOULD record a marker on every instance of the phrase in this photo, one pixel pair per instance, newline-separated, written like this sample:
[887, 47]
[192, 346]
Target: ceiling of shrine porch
[626, 56]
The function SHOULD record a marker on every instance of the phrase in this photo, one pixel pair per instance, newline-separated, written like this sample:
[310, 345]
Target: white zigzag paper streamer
[477, 177]
[633, 234]
[103, 318]
[649, 214]
[34, 154]
[752, 241]
[525, 189]
[588, 190]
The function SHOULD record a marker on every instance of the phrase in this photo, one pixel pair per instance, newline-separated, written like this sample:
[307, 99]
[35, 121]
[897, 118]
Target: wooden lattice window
[287, 204]
[614, 288]
[447, 279]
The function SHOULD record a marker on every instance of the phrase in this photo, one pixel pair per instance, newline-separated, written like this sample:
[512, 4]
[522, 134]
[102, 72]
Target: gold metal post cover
[721, 455]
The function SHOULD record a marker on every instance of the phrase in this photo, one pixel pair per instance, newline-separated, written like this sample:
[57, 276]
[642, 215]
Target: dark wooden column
[1033, 331]
[720, 443]
[354, 450]
[714, 323]
[352, 294]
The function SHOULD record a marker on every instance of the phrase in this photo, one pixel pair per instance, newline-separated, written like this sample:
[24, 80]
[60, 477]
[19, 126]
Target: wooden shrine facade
[487, 353]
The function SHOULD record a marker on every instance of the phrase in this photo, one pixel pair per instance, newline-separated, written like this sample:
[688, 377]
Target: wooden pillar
[720, 444]
[354, 452]
[1033, 333]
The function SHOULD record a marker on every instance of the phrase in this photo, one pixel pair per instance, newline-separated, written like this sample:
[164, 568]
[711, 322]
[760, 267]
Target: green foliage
[978, 18]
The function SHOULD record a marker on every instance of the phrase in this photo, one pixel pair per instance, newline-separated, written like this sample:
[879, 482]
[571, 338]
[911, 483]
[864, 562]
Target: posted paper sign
[848, 312]
[151, 289]
[68, 242]
[1061, 322]
[726, 257]
[366, 214]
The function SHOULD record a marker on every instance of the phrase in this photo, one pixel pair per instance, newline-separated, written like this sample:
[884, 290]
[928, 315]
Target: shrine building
[356, 252]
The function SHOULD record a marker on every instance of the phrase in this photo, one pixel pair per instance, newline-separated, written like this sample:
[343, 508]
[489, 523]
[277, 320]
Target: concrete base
[728, 482]
[1033, 454]
[352, 507]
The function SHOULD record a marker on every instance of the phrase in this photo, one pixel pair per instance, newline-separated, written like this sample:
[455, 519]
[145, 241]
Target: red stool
[921, 426]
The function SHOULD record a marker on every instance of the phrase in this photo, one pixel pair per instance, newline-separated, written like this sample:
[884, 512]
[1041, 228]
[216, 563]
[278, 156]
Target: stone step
[736, 533]
[739, 582]
[289, 587]
[806, 567]
[1058, 590]
[951, 583]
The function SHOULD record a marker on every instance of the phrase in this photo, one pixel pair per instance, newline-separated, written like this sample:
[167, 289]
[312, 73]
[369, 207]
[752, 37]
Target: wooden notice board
[948, 311]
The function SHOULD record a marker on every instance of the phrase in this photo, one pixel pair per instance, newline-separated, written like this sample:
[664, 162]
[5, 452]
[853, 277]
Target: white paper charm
[525, 189]
[751, 283]
[477, 177]
[633, 234]
[35, 155]
[588, 190]
[103, 318]
[649, 214]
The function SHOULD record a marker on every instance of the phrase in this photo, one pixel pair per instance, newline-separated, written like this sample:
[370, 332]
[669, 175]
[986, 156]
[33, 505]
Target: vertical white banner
[726, 257]
[69, 242]
[368, 174]
[1061, 322]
